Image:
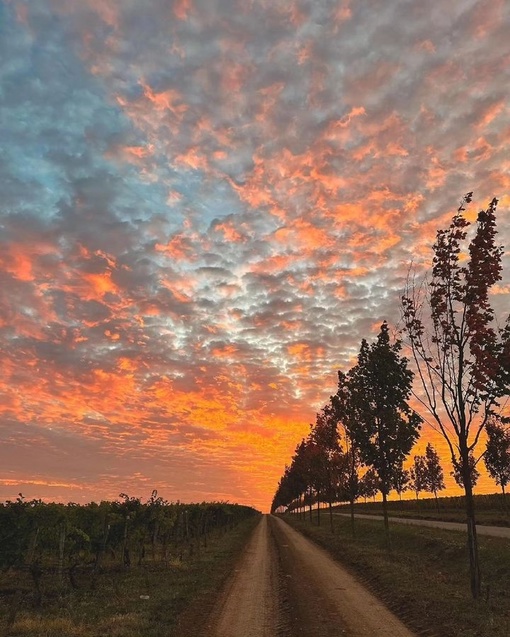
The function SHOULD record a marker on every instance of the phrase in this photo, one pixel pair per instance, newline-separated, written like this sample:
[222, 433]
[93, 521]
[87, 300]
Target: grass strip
[424, 579]
[154, 600]
[491, 509]
[488, 518]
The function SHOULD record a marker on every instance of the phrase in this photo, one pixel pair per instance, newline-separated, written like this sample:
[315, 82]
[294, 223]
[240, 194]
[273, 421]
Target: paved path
[494, 531]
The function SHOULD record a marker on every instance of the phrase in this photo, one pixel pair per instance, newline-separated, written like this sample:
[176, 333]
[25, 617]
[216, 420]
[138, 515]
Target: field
[131, 568]
[117, 573]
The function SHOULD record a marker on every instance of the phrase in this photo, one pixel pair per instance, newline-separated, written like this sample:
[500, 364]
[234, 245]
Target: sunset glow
[205, 206]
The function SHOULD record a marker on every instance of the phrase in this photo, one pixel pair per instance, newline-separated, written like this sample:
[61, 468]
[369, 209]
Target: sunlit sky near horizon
[205, 206]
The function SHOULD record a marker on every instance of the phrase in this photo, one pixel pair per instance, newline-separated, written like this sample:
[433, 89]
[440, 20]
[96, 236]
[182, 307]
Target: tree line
[460, 357]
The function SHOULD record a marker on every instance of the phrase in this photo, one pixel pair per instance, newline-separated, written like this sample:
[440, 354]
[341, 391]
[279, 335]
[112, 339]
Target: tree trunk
[310, 504]
[331, 515]
[61, 547]
[474, 563]
[318, 511]
[385, 515]
[125, 552]
[351, 502]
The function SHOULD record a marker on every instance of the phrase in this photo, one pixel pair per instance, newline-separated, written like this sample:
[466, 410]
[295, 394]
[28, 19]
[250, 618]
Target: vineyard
[55, 556]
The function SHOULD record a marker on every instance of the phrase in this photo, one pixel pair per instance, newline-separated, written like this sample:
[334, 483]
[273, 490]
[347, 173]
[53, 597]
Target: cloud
[205, 206]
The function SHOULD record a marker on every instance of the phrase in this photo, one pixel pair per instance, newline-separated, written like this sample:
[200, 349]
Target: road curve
[286, 586]
[481, 529]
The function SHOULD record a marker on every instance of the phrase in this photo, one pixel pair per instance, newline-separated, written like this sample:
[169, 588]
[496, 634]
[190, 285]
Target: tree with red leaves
[462, 358]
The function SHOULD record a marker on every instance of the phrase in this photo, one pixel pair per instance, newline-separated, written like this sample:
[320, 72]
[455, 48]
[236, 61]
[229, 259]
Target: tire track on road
[286, 586]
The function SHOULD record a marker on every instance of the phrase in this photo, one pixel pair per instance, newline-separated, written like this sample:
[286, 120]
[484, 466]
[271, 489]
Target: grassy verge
[154, 600]
[489, 518]
[424, 579]
[491, 509]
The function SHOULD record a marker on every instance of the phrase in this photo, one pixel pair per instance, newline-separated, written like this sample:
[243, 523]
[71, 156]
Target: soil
[286, 586]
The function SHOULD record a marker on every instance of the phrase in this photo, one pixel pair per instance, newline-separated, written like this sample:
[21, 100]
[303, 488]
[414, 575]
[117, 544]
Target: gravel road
[286, 586]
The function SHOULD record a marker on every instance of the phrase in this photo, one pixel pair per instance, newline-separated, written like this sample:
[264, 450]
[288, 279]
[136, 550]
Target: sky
[205, 206]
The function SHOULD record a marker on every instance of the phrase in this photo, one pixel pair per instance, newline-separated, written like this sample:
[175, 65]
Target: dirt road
[286, 586]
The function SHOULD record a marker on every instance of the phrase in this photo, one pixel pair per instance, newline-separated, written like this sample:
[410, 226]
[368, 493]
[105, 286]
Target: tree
[341, 403]
[458, 472]
[434, 476]
[380, 420]
[294, 482]
[369, 484]
[308, 468]
[325, 437]
[462, 358]
[401, 481]
[417, 474]
[497, 454]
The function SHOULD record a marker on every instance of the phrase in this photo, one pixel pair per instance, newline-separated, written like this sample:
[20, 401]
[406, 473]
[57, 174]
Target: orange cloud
[182, 9]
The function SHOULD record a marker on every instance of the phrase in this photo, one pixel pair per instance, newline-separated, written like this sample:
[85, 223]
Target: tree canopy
[381, 421]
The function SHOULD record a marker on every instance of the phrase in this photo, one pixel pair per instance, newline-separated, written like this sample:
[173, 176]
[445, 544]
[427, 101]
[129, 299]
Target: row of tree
[370, 415]
[461, 358]
[347, 482]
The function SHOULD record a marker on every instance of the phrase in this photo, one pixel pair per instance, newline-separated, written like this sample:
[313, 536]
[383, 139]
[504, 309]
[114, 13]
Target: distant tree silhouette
[401, 481]
[497, 453]
[417, 474]
[369, 485]
[434, 476]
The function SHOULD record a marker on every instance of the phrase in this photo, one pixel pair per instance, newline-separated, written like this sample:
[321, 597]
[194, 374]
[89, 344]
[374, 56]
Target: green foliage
[380, 420]
[31, 531]
[379, 429]
[172, 597]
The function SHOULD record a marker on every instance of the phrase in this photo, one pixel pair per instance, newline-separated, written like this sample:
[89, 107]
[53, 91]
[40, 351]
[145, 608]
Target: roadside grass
[488, 518]
[491, 509]
[424, 578]
[154, 600]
